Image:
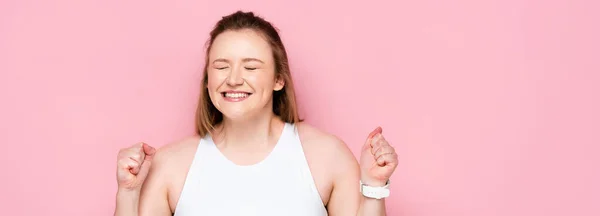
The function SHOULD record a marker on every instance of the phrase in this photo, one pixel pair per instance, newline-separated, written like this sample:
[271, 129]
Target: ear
[279, 84]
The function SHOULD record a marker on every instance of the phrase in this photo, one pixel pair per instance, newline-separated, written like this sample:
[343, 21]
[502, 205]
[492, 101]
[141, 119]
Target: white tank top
[279, 185]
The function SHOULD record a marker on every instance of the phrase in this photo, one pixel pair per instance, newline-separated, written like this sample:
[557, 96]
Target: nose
[235, 77]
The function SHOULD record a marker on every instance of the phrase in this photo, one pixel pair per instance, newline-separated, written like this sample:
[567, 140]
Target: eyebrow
[244, 60]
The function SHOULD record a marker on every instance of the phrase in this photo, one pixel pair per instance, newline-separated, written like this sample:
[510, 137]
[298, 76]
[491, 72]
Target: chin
[234, 114]
[238, 110]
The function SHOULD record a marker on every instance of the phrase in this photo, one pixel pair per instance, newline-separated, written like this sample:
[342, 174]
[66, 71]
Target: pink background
[492, 105]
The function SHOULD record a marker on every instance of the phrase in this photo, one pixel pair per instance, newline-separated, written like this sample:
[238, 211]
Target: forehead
[240, 44]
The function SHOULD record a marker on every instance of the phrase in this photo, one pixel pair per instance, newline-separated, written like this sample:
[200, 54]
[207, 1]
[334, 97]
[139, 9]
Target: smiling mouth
[236, 95]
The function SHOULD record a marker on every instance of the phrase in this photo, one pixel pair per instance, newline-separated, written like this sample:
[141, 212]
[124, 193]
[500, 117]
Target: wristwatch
[375, 192]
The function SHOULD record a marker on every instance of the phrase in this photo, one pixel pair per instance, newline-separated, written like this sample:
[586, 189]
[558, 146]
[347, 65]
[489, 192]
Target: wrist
[127, 202]
[375, 189]
[127, 194]
[374, 182]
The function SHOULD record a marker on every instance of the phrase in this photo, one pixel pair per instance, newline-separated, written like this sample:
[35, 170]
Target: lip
[235, 99]
[234, 91]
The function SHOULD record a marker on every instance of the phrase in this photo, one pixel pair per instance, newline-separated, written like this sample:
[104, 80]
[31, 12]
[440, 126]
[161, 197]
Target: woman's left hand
[378, 160]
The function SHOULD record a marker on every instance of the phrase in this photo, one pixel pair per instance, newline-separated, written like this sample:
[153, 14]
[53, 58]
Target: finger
[130, 165]
[135, 152]
[141, 150]
[136, 147]
[127, 163]
[149, 151]
[375, 147]
[380, 161]
[368, 142]
[144, 169]
[135, 170]
[385, 149]
[387, 159]
[378, 144]
[377, 130]
[135, 155]
[377, 138]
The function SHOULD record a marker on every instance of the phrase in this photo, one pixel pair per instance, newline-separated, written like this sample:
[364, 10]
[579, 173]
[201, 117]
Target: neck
[256, 132]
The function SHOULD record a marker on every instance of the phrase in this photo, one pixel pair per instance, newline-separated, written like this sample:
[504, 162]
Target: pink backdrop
[492, 105]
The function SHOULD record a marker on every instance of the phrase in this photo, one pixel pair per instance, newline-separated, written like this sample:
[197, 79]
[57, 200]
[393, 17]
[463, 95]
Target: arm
[127, 203]
[153, 198]
[142, 189]
[346, 198]
[377, 163]
[370, 206]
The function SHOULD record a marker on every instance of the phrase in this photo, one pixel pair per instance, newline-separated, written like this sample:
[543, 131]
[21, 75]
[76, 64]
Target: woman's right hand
[133, 165]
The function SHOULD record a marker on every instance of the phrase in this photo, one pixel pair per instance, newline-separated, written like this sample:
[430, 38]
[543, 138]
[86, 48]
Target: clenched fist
[133, 164]
[378, 159]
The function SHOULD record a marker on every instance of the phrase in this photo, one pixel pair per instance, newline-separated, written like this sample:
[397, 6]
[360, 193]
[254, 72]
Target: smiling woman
[242, 70]
[252, 155]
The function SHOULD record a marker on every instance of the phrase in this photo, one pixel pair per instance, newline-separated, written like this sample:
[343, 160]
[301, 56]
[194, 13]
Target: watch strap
[375, 192]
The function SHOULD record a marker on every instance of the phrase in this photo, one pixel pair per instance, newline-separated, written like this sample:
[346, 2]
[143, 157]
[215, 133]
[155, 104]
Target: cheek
[262, 80]
[214, 80]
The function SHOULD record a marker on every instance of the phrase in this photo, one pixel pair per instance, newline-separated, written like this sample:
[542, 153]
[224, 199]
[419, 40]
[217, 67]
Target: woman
[251, 155]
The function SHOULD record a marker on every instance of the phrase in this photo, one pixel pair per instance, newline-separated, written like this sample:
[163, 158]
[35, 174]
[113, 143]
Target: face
[241, 74]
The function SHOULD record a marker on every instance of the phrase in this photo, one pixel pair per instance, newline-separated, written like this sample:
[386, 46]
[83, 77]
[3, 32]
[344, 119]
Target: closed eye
[221, 68]
[250, 68]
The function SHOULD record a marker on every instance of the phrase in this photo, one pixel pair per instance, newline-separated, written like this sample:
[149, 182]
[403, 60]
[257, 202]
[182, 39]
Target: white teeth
[236, 95]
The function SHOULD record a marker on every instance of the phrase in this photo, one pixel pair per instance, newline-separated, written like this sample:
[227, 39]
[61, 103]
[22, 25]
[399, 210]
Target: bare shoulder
[172, 162]
[168, 171]
[313, 137]
[326, 149]
[328, 157]
[176, 152]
